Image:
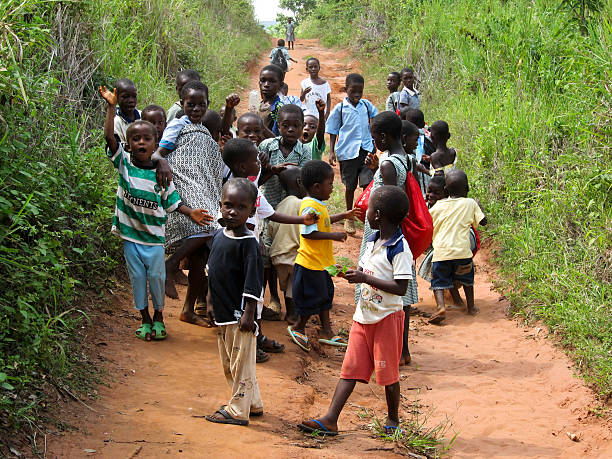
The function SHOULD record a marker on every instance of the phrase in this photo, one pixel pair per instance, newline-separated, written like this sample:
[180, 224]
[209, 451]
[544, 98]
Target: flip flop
[144, 332]
[159, 331]
[322, 430]
[296, 337]
[335, 341]
[227, 419]
[269, 345]
[437, 319]
[390, 430]
[252, 414]
[261, 356]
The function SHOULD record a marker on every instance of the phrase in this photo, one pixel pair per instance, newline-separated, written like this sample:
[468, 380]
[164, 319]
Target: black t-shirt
[235, 270]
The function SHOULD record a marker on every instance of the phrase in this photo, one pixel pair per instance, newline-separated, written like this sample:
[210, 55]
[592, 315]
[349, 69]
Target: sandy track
[506, 389]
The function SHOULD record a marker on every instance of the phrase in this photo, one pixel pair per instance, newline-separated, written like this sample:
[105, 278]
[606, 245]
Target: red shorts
[375, 347]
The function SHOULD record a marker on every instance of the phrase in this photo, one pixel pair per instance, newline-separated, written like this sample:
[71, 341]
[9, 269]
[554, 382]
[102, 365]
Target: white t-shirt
[319, 91]
[389, 261]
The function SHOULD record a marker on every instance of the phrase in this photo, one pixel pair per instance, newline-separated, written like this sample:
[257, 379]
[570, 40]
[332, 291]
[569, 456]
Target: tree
[299, 8]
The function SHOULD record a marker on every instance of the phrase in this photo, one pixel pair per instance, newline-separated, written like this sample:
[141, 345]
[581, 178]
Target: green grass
[527, 98]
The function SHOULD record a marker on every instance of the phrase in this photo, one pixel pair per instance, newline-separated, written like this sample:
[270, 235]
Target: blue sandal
[391, 430]
[321, 430]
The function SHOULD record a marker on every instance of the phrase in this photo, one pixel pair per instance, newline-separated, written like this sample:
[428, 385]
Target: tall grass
[528, 99]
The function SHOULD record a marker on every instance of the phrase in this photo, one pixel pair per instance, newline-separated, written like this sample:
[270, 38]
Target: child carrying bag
[417, 226]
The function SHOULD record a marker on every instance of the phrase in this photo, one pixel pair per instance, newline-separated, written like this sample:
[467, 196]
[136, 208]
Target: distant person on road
[280, 56]
[290, 33]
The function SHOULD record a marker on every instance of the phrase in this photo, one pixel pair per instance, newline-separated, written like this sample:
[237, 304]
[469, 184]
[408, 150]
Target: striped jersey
[141, 207]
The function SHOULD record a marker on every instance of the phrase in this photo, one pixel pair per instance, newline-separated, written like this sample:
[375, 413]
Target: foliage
[57, 189]
[528, 99]
[299, 8]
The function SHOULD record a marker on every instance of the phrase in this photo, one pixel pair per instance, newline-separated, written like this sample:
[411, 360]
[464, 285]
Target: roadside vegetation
[56, 187]
[525, 88]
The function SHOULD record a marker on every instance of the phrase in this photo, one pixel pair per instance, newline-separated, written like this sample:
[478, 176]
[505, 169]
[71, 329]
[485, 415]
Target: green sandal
[159, 331]
[144, 332]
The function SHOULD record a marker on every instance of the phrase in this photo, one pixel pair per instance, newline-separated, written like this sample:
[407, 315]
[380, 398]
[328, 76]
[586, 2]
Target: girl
[444, 158]
[314, 88]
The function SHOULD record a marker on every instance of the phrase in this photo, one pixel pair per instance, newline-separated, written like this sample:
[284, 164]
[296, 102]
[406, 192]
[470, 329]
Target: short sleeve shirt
[410, 97]
[390, 261]
[121, 123]
[351, 125]
[172, 131]
[313, 254]
[452, 220]
[315, 149]
[318, 91]
[392, 103]
[235, 272]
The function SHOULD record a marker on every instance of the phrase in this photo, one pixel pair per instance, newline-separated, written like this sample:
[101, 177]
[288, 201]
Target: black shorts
[354, 170]
[448, 272]
[313, 291]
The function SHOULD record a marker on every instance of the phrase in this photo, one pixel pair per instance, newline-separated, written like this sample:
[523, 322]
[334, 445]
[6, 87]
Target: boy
[155, 115]
[235, 279]
[182, 78]
[452, 254]
[313, 289]
[280, 57]
[393, 82]
[375, 340]
[444, 158]
[127, 113]
[349, 123]
[140, 215]
[313, 135]
[409, 96]
[286, 238]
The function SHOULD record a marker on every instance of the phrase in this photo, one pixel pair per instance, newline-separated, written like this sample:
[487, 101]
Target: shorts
[313, 291]
[375, 348]
[354, 170]
[446, 273]
[285, 279]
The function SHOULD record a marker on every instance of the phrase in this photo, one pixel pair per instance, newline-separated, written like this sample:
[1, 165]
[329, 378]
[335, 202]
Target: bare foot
[438, 317]
[180, 278]
[170, 288]
[194, 319]
[326, 334]
[473, 311]
[405, 360]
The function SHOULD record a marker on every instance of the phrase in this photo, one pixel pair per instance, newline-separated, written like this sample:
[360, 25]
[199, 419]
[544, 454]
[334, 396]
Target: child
[313, 289]
[140, 215]
[349, 123]
[182, 78]
[286, 238]
[242, 157]
[444, 158]
[393, 82]
[313, 135]
[127, 113]
[452, 257]
[290, 33]
[250, 126]
[271, 79]
[280, 57]
[212, 121]
[378, 322]
[409, 96]
[314, 88]
[235, 278]
[155, 115]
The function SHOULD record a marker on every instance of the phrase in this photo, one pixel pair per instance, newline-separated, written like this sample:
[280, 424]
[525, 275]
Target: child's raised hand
[109, 97]
[320, 105]
[201, 216]
[232, 100]
[304, 92]
[355, 212]
[371, 161]
[355, 276]
[311, 218]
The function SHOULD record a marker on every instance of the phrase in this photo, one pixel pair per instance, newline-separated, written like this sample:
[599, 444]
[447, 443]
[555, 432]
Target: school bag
[342, 106]
[279, 59]
[417, 226]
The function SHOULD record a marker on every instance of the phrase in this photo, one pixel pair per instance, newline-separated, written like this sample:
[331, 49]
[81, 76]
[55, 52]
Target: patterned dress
[412, 294]
[197, 170]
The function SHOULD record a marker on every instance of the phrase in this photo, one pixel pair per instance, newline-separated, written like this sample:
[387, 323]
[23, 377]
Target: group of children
[252, 214]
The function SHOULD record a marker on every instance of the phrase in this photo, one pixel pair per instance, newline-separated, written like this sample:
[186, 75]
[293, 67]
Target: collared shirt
[316, 149]
[391, 260]
[284, 51]
[392, 103]
[352, 126]
[172, 111]
[122, 122]
[285, 238]
[410, 97]
[172, 132]
[315, 254]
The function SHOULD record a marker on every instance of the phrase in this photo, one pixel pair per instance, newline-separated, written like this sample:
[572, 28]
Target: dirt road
[507, 391]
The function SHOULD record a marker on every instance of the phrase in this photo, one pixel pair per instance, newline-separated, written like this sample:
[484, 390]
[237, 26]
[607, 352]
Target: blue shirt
[352, 126]
[172, 132]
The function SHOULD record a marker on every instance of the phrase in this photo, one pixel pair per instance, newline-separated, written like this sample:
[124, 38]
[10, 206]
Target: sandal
[321, 429]
[159, 331]
[335, 341]
[270, 314]
[299, 339]
[227, 418]
[144, 332]
[261, 356]
[391, 430]
[269, 345]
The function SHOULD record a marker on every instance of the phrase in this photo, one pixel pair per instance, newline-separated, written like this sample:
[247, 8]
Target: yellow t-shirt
[452, 219]
[315, 254]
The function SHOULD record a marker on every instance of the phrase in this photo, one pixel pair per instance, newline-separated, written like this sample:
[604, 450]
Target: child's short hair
[236, 150]
[353, 78]
[280, 42]
[407, 70]
[313, 59]
[438, 180]
[212, 121]
[403, 114]
[441, 128]
[416, 116]
[315, 171]
[123, 84]
[392, 203]
[250, 116]
[456, 182]
[276, 69]
[288, 176]
[151, 109]
[135, 124]
[188, 74]
[387, 123]
[291, 109]
[194, 86]
[396, 75]
[409, 129]
[242, 184]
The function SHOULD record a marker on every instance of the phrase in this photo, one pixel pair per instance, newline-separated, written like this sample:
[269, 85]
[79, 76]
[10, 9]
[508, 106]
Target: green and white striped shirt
[141, 207]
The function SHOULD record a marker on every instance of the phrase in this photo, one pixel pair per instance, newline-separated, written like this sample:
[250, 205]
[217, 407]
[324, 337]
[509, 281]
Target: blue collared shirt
[353, 130]
[172, 132]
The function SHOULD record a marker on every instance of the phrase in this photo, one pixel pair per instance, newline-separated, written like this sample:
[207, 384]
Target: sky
[265, 10]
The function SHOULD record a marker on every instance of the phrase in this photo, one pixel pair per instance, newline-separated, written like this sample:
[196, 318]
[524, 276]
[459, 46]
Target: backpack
[342, 106]
[279, 59]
